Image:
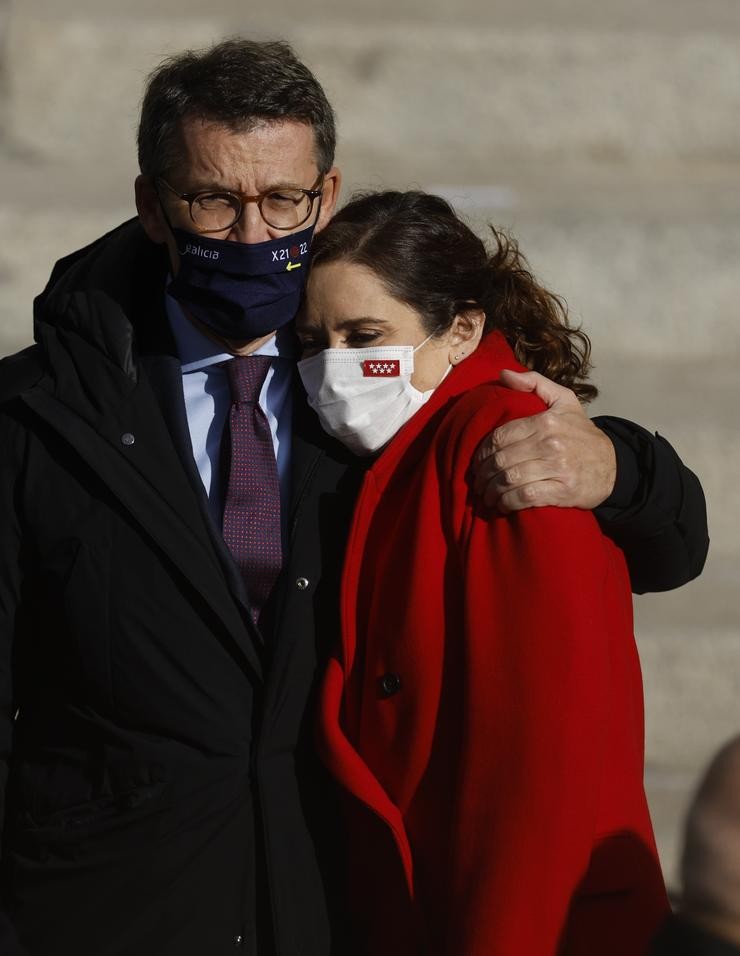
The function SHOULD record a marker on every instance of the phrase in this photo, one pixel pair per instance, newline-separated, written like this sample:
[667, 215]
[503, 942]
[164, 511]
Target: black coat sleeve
[10, 613]
[657, 512]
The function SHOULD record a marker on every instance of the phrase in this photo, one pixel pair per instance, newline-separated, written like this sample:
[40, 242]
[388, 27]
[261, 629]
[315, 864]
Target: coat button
[127, 438]
[302, 583]
[390, 684]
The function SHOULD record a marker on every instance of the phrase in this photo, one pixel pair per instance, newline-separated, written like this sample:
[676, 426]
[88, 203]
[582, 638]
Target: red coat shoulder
[475, 413]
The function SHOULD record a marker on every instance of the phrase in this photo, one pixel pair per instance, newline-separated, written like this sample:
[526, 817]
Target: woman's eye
[363, 338]
[309, 347]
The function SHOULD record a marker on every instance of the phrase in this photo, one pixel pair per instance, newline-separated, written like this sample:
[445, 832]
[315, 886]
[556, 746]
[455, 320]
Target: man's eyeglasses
[283, 207]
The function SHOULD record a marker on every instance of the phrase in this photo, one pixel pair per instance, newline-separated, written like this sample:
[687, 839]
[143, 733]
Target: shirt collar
[196, 351]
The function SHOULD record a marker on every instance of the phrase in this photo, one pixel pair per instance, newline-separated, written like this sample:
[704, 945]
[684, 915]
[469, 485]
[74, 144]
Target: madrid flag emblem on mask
[388, 368]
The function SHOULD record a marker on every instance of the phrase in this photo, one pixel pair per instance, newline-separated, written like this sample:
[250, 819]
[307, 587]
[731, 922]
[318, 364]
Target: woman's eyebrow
[342, 325]
[360, 320]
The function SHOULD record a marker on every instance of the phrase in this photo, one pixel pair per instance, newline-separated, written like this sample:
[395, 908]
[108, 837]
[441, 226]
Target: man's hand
[558, 457]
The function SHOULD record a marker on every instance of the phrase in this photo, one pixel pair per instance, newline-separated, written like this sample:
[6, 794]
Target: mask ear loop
[318, 216]
[430, 336]
[164, 211]
[446, 371]
[422, 344]
[167, 220]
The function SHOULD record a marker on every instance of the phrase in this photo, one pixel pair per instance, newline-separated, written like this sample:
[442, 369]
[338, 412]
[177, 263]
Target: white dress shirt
[208, 402]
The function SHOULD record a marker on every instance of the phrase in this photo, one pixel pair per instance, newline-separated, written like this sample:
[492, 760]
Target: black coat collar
[114, 392]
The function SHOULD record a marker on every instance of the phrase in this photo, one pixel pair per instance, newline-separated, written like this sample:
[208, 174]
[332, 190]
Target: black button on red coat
[390, 684]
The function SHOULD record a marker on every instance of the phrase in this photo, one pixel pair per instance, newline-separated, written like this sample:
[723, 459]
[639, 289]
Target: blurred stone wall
[606, 136]
[4, 91]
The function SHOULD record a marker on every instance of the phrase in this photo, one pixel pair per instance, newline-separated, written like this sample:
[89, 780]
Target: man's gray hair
[237, 83]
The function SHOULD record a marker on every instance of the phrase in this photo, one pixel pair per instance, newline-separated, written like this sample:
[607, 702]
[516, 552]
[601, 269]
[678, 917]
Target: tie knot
[246, 376]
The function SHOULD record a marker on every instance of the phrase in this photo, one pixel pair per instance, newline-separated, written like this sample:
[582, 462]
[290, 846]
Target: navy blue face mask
[241, 290]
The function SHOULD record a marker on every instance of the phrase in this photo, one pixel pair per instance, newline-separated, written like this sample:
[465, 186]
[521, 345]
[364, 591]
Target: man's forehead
[273, 148]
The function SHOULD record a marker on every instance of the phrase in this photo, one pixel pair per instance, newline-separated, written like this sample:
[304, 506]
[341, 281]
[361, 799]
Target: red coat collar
[482, 366]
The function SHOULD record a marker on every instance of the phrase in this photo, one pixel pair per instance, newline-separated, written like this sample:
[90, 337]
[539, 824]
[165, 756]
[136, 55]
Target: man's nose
[251, 227]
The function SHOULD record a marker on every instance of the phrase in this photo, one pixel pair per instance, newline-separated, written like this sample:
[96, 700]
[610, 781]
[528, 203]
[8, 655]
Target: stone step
[694, 404]
[646, 280]
[692, 705]
[689, 644]
[689, 639]
[669, 794]
[34, 240]
[510, 88]
[665, 16]
[692, 690]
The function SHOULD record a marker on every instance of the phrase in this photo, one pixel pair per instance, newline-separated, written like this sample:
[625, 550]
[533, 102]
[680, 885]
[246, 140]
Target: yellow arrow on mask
[290, 266]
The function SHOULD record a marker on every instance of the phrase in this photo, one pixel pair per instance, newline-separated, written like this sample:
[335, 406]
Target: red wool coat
[484, 711]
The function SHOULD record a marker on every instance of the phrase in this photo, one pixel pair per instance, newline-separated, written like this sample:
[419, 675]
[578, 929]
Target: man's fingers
[498, 459]
[550, 393]
[496, 483]
[561, 401]
[519, 441]
[517, 430]
[538, 494]
[518, 381]
[556, 457]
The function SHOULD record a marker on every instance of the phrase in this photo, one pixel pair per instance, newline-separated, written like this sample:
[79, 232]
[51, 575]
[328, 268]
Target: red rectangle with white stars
[381, 368]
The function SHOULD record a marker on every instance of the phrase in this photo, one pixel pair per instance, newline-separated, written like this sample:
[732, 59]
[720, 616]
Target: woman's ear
[465, 334]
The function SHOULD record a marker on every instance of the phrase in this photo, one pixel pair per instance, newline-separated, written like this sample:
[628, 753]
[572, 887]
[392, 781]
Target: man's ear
[150, 210]
[465, 334]
[329, 197]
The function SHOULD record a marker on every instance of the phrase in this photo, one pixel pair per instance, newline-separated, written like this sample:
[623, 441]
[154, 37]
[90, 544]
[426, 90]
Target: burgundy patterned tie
[251, 525]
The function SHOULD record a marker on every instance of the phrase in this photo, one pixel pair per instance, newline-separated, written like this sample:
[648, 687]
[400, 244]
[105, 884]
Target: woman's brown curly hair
[431, 260]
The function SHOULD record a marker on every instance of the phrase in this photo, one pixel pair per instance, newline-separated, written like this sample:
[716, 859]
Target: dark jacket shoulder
[110, 296]
[658, 513]
[20, 372]
[103, 259]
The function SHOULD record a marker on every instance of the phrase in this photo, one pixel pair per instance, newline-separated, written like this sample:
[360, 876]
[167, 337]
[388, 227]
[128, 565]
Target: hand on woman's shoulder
[480, 410]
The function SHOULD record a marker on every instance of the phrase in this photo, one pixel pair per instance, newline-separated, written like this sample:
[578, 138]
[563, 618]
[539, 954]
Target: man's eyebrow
[212, 187]
[207, 187]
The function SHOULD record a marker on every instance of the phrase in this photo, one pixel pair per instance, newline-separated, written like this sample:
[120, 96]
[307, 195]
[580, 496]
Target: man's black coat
[152, 720]
[161, 791]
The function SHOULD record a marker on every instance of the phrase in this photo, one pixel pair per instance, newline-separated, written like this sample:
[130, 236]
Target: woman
[484, 711]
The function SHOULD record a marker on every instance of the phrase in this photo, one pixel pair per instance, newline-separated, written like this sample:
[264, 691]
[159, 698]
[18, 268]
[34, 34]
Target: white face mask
[363, 396]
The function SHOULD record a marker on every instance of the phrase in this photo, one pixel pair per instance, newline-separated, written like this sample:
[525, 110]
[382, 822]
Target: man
[157, 663]
[708, 923]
